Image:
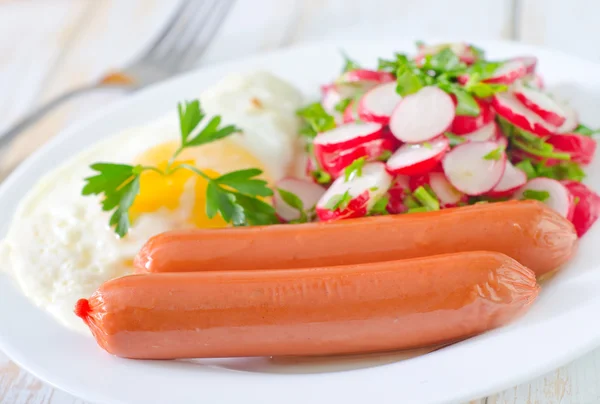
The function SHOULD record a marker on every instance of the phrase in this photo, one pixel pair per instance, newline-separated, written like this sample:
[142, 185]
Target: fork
[184, 39]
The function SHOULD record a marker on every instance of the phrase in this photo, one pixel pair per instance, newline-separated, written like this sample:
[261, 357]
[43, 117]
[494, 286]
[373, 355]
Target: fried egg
[59, 247]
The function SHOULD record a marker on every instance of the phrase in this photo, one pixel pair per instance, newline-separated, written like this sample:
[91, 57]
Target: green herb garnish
[426, 198]
[295, 202]
[379, 208]
[495, 154]
[536, 195]
[339, 201]
[455, 140]
[234, 195]
[316, 120]
[354, 169]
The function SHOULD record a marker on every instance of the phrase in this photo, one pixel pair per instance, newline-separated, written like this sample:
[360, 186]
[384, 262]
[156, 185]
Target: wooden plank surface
[65, 43]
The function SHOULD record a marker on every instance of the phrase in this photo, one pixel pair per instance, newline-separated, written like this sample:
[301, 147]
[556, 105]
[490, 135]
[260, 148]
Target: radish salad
[443, 128]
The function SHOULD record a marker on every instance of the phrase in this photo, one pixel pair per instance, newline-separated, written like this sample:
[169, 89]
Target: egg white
[59, 247]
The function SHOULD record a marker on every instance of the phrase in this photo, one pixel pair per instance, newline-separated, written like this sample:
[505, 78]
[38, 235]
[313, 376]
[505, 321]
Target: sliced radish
[397, 193]
[587, 208]
[541, 103]
[511, 109]
[512, 179]
[363, 191]
[559, 198]
[422, 116]
[463, 124]
[347, 136]
[351, 113]
[501, 140]
[469, 171]
[483, 134]
[580, 147]
[308, 192]
[571, 122]
[530, 63]
[378, 104]
[445, 192]
[365, 78]
[334, 162]
[510, 71]
[416, 159]
[331, 95]
[533, 80]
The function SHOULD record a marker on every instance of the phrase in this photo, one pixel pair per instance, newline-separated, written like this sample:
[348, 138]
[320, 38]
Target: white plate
[560, 326]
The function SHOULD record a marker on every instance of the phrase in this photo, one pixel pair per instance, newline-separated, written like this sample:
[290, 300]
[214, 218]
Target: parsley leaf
[295, 202]
[316, 118]
[427, 199]
[527, 168]
[234, 195]
[465, 102]
[380, 207]
[244, 182]
[354, 169]
[445, 61]
[120, 184]
[291, 199]
[385, 155]
[495, 154]
[565, 170]
[342, 105]
[584, 130]
[536, 195]
[190, 116]
[455, 140]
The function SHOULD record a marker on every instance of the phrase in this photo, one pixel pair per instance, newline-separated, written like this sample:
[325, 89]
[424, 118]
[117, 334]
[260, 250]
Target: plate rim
[128, 102]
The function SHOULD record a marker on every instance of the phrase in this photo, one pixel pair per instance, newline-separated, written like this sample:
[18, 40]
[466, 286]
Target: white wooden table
[48, 46]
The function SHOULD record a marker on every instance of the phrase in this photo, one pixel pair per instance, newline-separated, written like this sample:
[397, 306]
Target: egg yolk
[166, 191]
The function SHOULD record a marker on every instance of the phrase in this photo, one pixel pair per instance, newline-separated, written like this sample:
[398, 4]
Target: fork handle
[37, 114]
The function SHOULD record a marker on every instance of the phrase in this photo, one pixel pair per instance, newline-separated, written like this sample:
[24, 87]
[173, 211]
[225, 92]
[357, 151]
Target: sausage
[326, 310]
[527, 231]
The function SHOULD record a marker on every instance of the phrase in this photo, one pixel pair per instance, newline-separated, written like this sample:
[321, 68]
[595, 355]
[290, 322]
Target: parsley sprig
[235, 195]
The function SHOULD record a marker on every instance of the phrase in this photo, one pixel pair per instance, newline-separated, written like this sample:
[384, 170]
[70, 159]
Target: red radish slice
[512, 179]
[559, 199]
[530, 63]
[416, 159]
[533, 80]
[469, 171]
[348, 135]
[541, 103]
[502, 141]
[580, 147]
[587, 208]
[571, 122]
[396, 193]
[378, 104]
[463, 124]
[445, 192]
[365, 77]
[334, 162]
[483, 134]
[350, 113]
[511, 109]
[308, 192]
[422, 116]
[510, 71]
[331, 95]
[363, 191]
